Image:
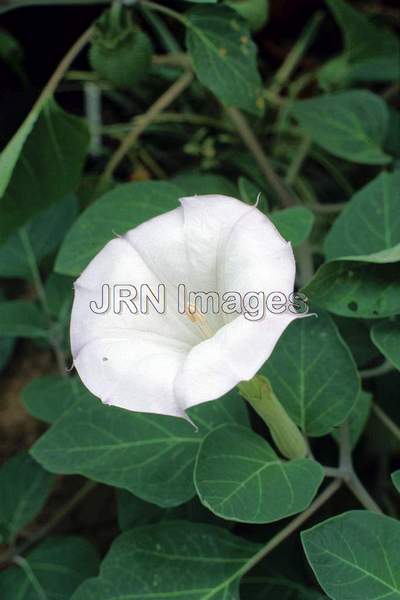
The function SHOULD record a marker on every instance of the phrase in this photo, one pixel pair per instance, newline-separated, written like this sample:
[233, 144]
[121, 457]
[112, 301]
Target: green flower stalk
[285, 433]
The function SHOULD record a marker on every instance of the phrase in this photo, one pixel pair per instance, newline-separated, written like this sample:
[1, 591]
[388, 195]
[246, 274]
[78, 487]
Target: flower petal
[235, 353]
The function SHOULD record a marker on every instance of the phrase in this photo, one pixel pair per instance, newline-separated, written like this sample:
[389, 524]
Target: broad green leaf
[370, 52]
[225, 57]
[351, 125]
[24, 487]
[396, 479]
[59, 295]
[50, 396]
[192, 184]
[52, 571]
[356, 555]
[358, 417]
[250, 192]
[239, 477]
[44, 232]
[6, 350]
[22, 319]
[359, 287]
[167, 561]
[40, 165]
[313, 374]
[386, 336]
[113, 214]
[370, 222]
[294, 223]
[151, 456]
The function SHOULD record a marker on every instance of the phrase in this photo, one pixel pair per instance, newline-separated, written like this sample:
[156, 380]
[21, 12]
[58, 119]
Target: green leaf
[47, 398]
[224, 56]
[294, 223]
[313, 374]
[22, 319]
[52, 571]
[171, 560]
[40, 165]
[370, 222]
[351, 125]
[210, 183]
[370, 52]
[358, 417]
[386, 337]
[113, 214]
[25, 487]
[239, 477]
[45, 231]
[250, 193]
[361, 287]
[151, 456]
[356, 555]
[396, 479]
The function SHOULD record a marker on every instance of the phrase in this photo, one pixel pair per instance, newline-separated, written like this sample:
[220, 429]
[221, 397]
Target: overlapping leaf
[113, 214]
[52, 571]
[40, 165]
[224, 56]
[150, 455]
[171, 560]
[356, 555]
[239, 477]
[313, 374]
[386, 336]
[351, 125]
[24, 487]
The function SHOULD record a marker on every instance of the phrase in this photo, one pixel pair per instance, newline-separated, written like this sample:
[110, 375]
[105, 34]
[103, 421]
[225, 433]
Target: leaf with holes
[356, 555]
[224, 56]
[361, 286]
[171, 560]
[239, 477]
[309, 348]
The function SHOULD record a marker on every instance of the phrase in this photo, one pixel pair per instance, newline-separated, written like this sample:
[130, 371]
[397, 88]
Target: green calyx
[285, 433]
[255, 12]
[120, 52]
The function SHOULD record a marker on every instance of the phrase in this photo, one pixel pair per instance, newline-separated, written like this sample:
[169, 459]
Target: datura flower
[165, 360]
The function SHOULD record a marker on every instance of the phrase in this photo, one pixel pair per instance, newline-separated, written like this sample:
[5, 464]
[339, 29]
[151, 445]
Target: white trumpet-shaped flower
[166, 362]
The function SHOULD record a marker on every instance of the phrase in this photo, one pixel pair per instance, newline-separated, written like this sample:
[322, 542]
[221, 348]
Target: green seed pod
[254, 11]
[120, 52]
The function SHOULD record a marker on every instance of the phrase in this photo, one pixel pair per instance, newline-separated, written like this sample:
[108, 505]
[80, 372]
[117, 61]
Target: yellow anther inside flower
[199, 320]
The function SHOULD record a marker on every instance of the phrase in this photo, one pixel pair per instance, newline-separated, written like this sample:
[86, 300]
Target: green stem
[298, 160]
[382, 369]
[387, 421]
[41, 293]
[159, 105]
[349, 476]
[291, 61]
[165, 10]
[31, 577]
[290, 528]
[285, 433]
[166, 38]
[329, 208]
[250, 140]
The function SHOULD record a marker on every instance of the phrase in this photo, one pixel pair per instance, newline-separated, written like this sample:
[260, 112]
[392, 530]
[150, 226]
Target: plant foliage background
[298, 102]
